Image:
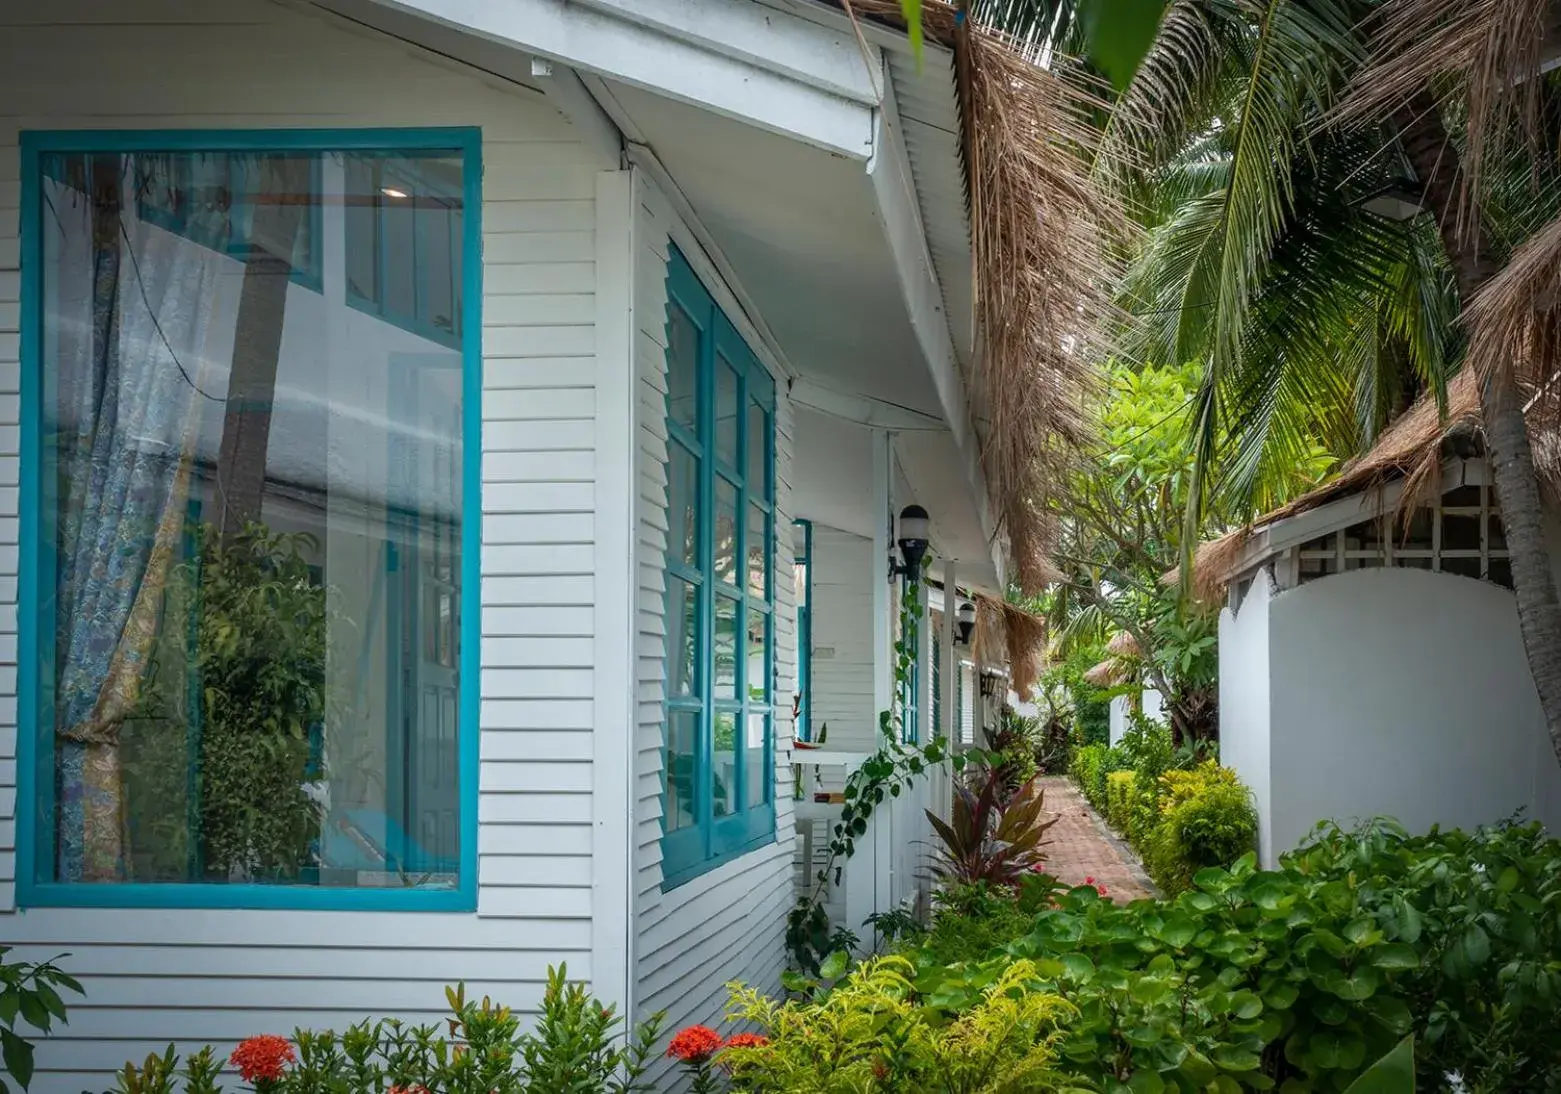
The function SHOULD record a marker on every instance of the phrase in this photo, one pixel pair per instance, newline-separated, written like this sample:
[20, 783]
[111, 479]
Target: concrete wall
[1390, 692]
[1245, 696]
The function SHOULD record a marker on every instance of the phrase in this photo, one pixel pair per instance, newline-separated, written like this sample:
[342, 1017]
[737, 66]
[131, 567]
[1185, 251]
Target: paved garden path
[1080, 846]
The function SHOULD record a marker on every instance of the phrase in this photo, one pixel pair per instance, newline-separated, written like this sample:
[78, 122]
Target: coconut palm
[1262, 129]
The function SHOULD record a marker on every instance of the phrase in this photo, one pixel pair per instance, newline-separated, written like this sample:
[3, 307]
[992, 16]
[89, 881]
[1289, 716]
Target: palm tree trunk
[1509, 451]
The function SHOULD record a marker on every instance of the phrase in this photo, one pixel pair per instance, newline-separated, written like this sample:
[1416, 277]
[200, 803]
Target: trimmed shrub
[1121, 790]
[1206, 819]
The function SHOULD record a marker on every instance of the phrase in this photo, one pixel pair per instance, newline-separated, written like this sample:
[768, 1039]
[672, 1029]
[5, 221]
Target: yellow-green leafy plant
[871, 1033]
[1119, 798]
[1206, 819]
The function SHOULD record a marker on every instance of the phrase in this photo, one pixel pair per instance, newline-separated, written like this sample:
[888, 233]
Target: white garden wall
[1388, 691]
[1244, 702]
[153, 976]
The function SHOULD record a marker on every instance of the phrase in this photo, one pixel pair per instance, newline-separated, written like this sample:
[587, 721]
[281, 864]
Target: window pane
[725, 412]
[682, 769]
[757, 652]
[725, 647]
[758, 466]
[682, 368]
[758, 782]
[398, 261]
[724, 797]
[362, 218]
[253, 538]
[758, 553]
[683, 504]
[439, 269]
[725, 531]
[682, 636]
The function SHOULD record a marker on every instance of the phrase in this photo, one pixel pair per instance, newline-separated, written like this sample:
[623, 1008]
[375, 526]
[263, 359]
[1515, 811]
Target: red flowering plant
[696, 1047]
[262, 1061]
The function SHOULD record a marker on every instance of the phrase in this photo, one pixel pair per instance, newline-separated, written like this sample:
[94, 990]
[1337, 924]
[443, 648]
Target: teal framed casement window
[935, 622]
[719, 789]
[404, 243]
[802, 576]
[249, 544]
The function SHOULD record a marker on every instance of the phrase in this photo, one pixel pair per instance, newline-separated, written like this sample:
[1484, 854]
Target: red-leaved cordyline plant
[984, 843]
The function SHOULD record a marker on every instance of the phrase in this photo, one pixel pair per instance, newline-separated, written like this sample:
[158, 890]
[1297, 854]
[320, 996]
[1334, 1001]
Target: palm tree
[1260, 130]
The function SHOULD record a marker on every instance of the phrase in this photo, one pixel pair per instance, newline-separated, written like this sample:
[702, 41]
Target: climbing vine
[890, 771]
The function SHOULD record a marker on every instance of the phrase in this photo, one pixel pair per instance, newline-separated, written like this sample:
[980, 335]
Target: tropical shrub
[1298, 978]
[29, 999]
[578, 1045]
[1119, 798]
[871, 1033]
[982, 842]
[1206, 818]
[1011, 751]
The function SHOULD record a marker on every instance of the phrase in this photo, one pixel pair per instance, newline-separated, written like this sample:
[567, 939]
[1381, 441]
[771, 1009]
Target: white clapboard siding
[728, 924]
[844, 572]
[154, 976]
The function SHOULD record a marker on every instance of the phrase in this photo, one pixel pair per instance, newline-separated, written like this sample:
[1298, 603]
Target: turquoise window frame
[35, 751]
[804, 727]
[710, 841]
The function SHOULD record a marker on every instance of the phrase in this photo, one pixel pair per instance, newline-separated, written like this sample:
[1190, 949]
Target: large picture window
[720, 760]
[249, 523]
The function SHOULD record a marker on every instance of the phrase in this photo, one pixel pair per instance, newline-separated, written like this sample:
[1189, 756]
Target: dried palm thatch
[1006, 632]
[1039, 266]
[1123, 644]
[1514, 323]
[1490, 53]
[1108, 674]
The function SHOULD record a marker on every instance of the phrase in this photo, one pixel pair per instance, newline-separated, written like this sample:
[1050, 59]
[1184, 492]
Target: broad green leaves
[29, 997]
[1118, 34]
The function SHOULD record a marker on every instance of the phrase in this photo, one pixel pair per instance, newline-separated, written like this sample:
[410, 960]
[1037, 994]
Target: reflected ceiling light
[392, 192]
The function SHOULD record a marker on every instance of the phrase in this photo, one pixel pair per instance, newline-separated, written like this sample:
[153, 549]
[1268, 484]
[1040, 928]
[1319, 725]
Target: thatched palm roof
[1036, 224]
[1006, 632]
[1412, 448]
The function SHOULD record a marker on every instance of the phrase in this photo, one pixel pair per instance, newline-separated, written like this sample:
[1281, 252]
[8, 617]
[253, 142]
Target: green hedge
[1179, 821]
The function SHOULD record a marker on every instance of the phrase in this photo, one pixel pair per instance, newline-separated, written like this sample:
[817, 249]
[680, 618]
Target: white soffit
[801, 231]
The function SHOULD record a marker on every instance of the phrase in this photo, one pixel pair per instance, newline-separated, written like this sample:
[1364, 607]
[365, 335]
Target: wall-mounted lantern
[915, 534]
[965, 620]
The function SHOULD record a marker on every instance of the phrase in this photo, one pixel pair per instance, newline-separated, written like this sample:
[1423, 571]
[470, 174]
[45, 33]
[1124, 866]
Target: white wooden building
[545, 250]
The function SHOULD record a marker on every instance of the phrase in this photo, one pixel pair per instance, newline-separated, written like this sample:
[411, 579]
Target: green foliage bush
[1180, 821]
[1206, 819]
[1119, 798]
[1297, 979]
[579, 1045]
[871, 1033]
[29, 999]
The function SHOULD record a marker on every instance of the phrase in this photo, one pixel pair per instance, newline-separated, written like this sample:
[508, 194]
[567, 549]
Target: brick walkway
[1078, 846]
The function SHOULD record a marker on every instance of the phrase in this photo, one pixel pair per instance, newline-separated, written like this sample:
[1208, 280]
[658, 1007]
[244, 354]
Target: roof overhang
[818, 163]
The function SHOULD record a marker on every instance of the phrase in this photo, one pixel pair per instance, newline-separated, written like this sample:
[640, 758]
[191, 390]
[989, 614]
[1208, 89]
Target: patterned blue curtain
[130, 377]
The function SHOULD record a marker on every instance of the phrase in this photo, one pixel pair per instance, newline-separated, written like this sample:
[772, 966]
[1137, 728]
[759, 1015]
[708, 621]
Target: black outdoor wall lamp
[965, 620]
[915, 534]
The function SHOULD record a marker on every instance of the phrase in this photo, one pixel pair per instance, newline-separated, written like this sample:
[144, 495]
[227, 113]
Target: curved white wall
[1391, 691]
[1244, 702]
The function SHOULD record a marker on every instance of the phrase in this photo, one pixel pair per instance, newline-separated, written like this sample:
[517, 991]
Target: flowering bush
[263, 1060]
[578, 1045]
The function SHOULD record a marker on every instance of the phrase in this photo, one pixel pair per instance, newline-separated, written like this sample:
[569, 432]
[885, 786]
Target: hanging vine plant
[891, 770]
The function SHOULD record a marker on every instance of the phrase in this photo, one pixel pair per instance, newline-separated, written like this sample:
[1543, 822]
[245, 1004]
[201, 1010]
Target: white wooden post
[873, 882]
[948, 664]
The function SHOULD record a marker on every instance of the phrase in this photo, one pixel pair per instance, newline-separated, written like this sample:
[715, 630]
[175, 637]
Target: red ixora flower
[695, 1044]
[262, 1058]
[747, 1040]
[415, 1088]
